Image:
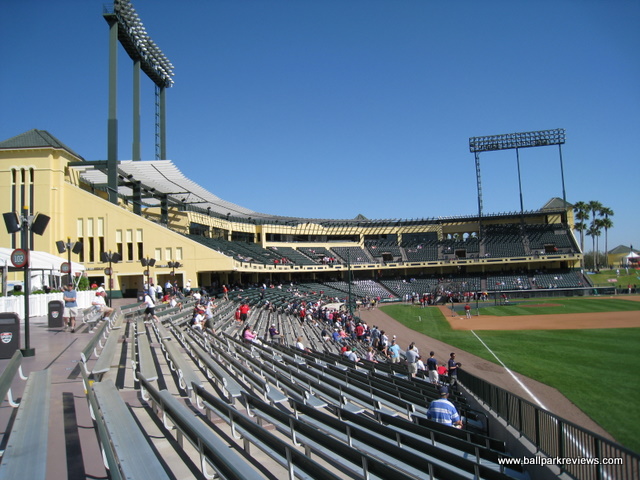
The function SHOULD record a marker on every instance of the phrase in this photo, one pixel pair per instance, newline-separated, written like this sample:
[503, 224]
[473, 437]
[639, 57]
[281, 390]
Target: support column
[135, 155]
[112, 123]
[163, 123]
[519, 182]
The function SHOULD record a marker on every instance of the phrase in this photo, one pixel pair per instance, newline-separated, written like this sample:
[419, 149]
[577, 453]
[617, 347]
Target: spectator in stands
[375, 336]
[359, 331]
[100, 305]
[244, 312]
[420, 364]
[249, 335]
[70, 297]
[225, 292]
[383, 343]
[453, 369]
[443, 411]
[325, 334]
[300, 345]
[275, 334]
[432, 368]
[150, 311]
[336, 335]
[371, 355]
[197, 322]
[412, 358]
[351, 355]
[442, 372]
[394, 352]
[173, 302]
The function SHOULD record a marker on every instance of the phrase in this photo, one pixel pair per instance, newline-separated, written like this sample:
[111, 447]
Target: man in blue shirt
[394, 352]
[443, 411]
[70, 307]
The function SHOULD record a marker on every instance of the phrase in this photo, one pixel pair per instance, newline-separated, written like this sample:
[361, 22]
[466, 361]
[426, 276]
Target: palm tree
[599, 223]
[594, 232]
[606, 223]
[582, 214]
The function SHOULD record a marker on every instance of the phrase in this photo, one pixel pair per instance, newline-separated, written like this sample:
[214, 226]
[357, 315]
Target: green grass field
[605, 276]
[595, 369]
[555, 306]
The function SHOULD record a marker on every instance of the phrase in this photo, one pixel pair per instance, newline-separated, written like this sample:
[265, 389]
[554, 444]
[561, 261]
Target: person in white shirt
[100, 305]
[150, 312]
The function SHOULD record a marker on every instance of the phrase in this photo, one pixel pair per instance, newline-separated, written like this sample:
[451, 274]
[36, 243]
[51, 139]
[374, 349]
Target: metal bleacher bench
[105, 359]
[25, 455]
[94, 344]
[212, 449]
[214, 371]
[177, 361]
[126, 450]
[6, 379]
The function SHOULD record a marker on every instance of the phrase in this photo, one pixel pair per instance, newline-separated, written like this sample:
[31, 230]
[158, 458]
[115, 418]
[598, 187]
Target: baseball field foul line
[524, 387]
[584, 451]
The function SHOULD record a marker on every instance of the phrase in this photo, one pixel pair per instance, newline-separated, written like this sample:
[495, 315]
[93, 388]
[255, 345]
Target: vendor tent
[44, 268]
[633, 257]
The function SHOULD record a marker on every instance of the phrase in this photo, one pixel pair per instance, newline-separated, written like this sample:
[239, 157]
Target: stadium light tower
[516, 141]
[126, 27]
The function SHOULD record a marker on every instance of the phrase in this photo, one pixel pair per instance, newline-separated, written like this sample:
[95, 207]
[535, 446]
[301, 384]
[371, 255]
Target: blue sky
[334, 108]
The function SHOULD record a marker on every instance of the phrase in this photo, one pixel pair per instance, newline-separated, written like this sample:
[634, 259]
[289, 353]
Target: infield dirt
[565, 321]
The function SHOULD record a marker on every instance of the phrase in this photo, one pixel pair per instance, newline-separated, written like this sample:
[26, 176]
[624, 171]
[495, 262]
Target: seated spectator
[325, 335]
[443, 411]
[371, 355]
[351, 355]
[100, 305]
[300, 345]
[249, 335]
[275, 334]
[197, 322]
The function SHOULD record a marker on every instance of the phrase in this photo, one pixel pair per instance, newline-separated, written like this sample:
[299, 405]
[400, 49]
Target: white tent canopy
[633, 257]
[41, 264]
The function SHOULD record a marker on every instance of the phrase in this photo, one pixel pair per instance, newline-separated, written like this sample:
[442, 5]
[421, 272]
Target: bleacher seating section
[499, 241]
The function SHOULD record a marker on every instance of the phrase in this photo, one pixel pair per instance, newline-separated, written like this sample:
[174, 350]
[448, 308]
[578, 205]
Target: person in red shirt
[467, 310]
[359, 331]
[244, 311]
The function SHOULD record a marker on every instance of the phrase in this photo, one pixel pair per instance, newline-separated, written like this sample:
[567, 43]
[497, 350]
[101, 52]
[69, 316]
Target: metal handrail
[585, 454]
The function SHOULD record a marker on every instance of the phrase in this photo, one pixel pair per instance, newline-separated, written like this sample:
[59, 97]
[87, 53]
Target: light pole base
[28, 352]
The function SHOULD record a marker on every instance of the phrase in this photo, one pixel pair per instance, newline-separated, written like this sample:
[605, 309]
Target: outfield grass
[595, 369]
[555, 306]
[602, 279]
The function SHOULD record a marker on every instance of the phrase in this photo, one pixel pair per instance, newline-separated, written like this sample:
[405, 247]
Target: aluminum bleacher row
[266, 410]
[499, 241]
[283, 297]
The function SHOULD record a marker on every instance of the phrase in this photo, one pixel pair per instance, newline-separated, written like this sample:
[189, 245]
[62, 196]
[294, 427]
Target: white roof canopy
[40, 261]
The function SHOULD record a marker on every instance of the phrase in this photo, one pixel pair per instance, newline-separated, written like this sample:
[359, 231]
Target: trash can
[55, 313]
[9, 334]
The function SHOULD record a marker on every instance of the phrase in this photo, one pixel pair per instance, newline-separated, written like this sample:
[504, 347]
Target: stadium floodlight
[517, 140]
[489, 143]
[138, 45]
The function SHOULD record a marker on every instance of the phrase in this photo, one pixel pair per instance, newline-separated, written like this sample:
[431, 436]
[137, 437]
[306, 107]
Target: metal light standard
[148, 262]
[75, 247]
[37, 224]
[173, 266]
[110, 258]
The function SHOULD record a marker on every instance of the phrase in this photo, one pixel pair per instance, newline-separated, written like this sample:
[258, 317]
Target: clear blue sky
[336, 108]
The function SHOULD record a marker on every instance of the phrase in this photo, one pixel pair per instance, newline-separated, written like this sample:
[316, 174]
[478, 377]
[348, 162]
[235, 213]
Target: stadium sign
[19, 258]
